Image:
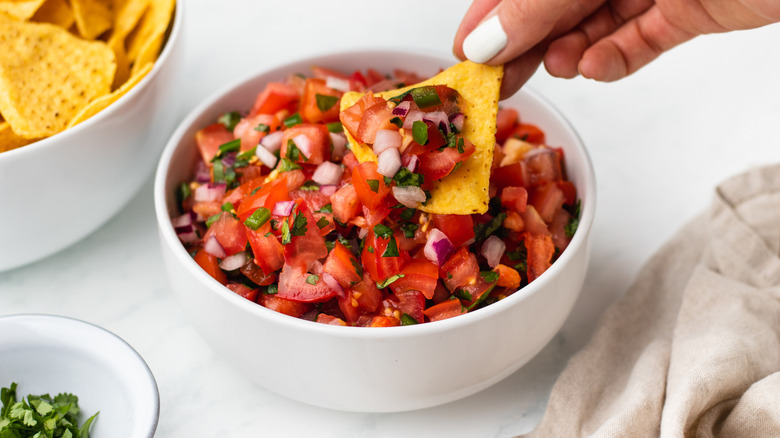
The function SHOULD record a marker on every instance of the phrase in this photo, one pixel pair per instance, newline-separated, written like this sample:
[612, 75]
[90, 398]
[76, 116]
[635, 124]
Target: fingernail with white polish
[484, 42]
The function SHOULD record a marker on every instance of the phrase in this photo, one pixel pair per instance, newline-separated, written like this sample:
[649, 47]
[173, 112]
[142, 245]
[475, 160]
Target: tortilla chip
[20, 9]
[93, 17]
[102, 102]
[9, 140]
[151, 28]
[147, 54]
[48, 75]
[465, 191]
[127, 13]
[56, 12]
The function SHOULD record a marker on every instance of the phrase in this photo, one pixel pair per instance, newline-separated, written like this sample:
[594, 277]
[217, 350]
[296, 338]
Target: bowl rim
[171, 41]
[140, 368]
[168, 236]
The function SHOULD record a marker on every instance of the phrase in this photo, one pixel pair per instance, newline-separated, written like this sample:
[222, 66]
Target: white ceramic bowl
[56, 191]
[48, 354]
[372, 369]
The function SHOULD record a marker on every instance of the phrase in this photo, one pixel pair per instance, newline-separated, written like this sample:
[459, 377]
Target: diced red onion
[439, 118]
[210, 192]
[339, 141]
[236, 261]
[316, 268]
[266, 157]
[337, 83]
[333, 284]
[283, 208]
[413, 116]
[402, 108]
[410, 196]
[202, 174]
[328, 189]
[327, 173]
[362, 232]
[303, 142]
[413, 162]
[229, 159]
[438, 247]
[388, 162]
[272, 141]
[386, 139]
[458, 120]
[213, 247]
[184, 228]
[492, 249]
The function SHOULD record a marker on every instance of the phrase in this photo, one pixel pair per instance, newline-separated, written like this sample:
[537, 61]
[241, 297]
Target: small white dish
[53, 354]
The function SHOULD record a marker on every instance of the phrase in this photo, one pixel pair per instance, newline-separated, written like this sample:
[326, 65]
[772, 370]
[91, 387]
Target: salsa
[281, 212]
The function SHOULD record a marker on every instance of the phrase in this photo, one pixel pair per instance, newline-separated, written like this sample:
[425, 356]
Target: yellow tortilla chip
[151, 28]
[122, 63]
[127, 13]
[102, 102]
[56, 12]
[147, 54]
[47, 75]
[465, 191]
[93, 17]
[8, 138]
[20, 9]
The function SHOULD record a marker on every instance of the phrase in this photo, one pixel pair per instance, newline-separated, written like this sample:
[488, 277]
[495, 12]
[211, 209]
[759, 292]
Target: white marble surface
[660, 141]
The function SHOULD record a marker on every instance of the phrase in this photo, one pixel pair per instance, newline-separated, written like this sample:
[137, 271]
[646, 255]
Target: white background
[660, 141]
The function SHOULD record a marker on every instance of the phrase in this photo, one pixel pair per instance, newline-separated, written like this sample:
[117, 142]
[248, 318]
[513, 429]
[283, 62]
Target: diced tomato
[514, 221]
[540, 249]
[459, 228]
[512, 175]
[268, 251]
[372, 77]
[249, 135]
[506, 121]
[254, 272]
[325, 73]
[324, 318]
[306, 243]
[384, 321]
[356, 81]
[412, 303]
[243, 290]
[315, 199]
[310, 108]
[529, 133]
[281, 305]
[267, 196]
[514, 198]
[210, 264]
[547, 199]
[345, 203]
[324, 222]
[507, 277]
[558, 229]
[206, 209]
[295, 284]
[379, 213]
[460, 269]
[437, 164]
[379, 267]
[275, 97]
[319, 143]
[374, 118]
[343, 266]
[210, 138]
[237, 195]
[534, 222]
[369, 184]
[362, 298]
[543, 166]
[445, 309]
[351, 117]
[229, 233]
[419, 275]
[569, 192]
[349, 160]
[435, 140]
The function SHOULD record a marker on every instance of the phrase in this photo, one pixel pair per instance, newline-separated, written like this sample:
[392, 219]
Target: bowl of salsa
[346, 282]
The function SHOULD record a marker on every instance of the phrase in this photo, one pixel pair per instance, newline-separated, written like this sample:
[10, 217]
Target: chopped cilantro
[420, 132]
[571, 227]
[255, 190]
[327, 208]
[230, 120]
[293, 120]
[258, 218]
[231, 146]
[299, 225]
[212, 219]
[407, 319]
[373, 184]
[406, 178]
[388, 281]
[262, 127]
[335, 127]
[293, 153]
[309, 186]
[312, 279]
[392, 249]
[370, 249]
[286, 238]
[228, 206]
[397, 122]
[407, 214]
[183, 193]
[286, 165]
[463, 294]
[483, 231]
[272, 289]
[383, 231]
[409, 228]
[325, 102]
[323, 222]
[489, 276]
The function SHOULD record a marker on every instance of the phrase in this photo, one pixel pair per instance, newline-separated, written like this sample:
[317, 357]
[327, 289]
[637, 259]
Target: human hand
[605, 40]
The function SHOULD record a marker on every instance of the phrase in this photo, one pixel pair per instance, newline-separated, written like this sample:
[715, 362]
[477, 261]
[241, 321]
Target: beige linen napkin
[693, 348]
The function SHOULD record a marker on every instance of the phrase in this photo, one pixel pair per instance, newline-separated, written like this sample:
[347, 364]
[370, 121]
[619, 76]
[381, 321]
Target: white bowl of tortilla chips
[378, 369]
[86, 95]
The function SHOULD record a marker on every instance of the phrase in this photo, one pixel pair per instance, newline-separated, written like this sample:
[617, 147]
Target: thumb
[510, 29]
